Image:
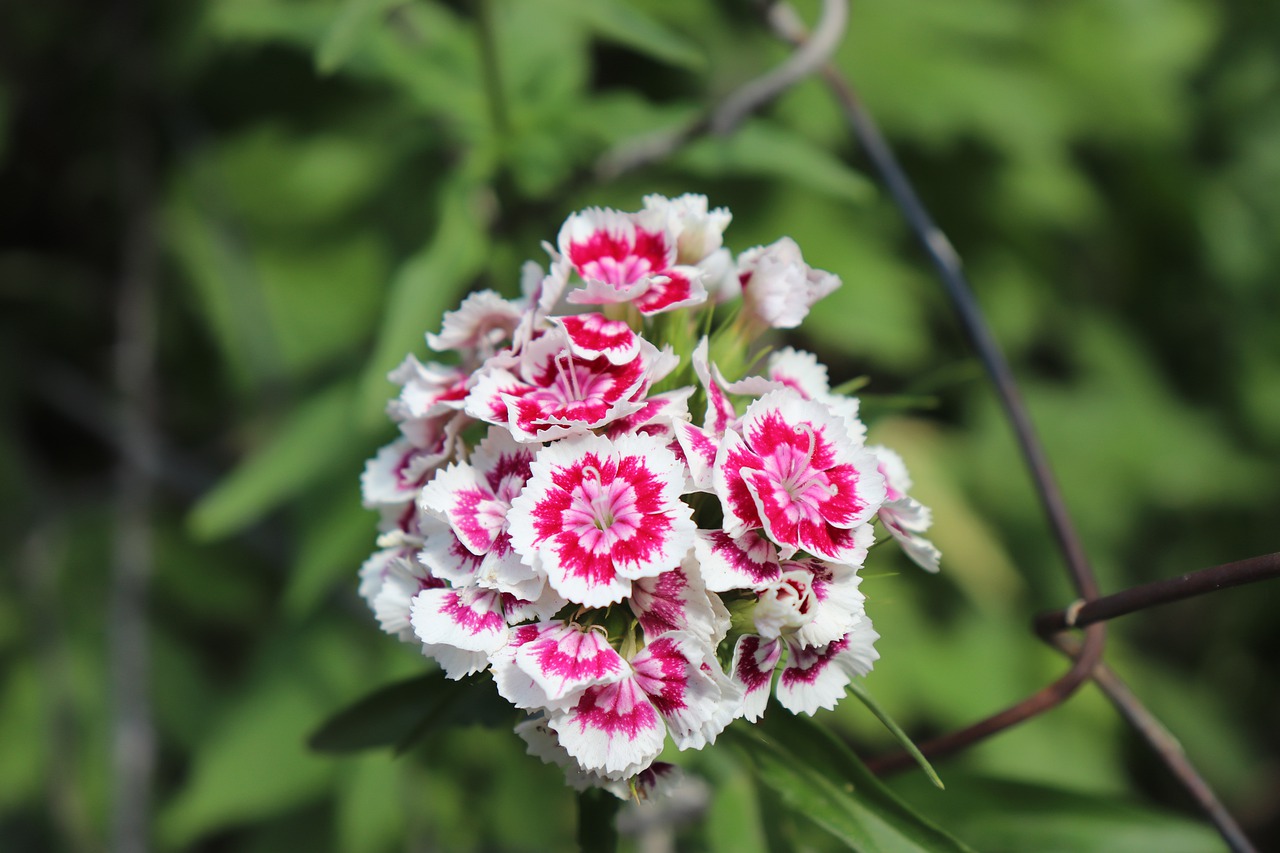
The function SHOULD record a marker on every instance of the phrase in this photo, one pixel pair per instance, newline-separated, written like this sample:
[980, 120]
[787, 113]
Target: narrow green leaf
[865, 698]
[331, 548]
[426, 286]
[767, 149]
[353, 21]
[306, 447]
[626, 25]
[815, 775]
[1005, 816]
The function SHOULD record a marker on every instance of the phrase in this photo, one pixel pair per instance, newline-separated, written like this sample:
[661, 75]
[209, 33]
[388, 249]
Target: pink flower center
[619, 262]
[794, 473]
[603, 513]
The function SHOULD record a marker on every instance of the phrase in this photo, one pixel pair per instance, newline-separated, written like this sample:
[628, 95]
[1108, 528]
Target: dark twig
[809, 56]
[1037, 703]
[1159, 592]
[1165, 745]
[947, 264]
[133, 746]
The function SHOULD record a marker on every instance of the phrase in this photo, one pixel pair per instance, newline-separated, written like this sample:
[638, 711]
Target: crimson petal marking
[817, 677]
[469, 618]
[566, 660]
[721, 415]
[699, 448]
[593, 335]
[753, 665]
[747, 562]
[600, 513]
[838, 604]
[613, 730]
[678, 287]
[615, 248]
[672, 601]
[669, 670]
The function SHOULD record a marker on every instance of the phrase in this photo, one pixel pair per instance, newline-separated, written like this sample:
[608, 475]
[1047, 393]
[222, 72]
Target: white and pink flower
[796, 473]
[598, 514]
[597, 548]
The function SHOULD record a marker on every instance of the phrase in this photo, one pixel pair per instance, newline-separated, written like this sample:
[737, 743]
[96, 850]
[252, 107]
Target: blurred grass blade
[771, 150]
[626, 25]
[352, 23]
[306, 447]
[426, 286]
[865, 698]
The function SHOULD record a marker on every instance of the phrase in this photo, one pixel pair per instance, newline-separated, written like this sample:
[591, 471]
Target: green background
[321, 180]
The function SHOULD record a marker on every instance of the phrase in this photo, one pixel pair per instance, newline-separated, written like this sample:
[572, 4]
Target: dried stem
[1159, 592]
[133, 745]
[1037, 703]
[809, 56]
[1165, 745]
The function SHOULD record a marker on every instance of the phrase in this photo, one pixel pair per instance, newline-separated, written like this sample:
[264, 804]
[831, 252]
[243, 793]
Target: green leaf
[401, 714]
[253, 765]
[310, 442]
[337, 540]
[865, 698]
[624, 24]
[819, 778]
[1004, 815]
[426, 286]
[766, 149]
[353, 22]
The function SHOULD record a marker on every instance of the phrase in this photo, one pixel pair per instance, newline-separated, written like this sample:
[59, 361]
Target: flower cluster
[583, 504]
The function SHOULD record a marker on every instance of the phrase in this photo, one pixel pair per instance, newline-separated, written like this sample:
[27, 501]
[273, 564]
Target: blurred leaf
[401, 714]
[898, 734]
[371, 806]
[302, 449]
[425, 287]
[353, 21]
[819, 778]
[336, 541]
[252, 765]
[763, 149]
[626, 25]
[23, 715]
[999, 815]
[734, 820]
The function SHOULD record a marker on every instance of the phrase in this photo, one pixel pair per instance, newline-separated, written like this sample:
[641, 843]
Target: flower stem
[597, 832]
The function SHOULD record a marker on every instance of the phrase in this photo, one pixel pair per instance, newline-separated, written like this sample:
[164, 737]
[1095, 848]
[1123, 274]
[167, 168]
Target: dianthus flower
[591, 505]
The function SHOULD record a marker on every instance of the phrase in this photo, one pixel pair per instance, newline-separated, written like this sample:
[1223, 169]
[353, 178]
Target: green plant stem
[597, 830]
[492, 71]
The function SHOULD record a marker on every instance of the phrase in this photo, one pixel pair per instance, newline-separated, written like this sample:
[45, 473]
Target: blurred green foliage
[327, 177]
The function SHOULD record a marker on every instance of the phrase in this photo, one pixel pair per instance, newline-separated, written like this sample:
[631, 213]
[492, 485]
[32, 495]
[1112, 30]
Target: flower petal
[753, 665]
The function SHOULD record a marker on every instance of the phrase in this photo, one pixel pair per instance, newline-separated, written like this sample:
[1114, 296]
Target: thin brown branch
[1045, 699]
[1147, 595]
[809, 56]
[1165, 745]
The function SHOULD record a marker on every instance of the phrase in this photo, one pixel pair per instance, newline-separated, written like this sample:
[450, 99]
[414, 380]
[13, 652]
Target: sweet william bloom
[628, 257]
[599, 513]
[618, 729]
[902, 515]
[482, 323]
[555, 389]
[778, 287]
[475, 499]
[796, 473]
[657, 780]
[814, 677]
